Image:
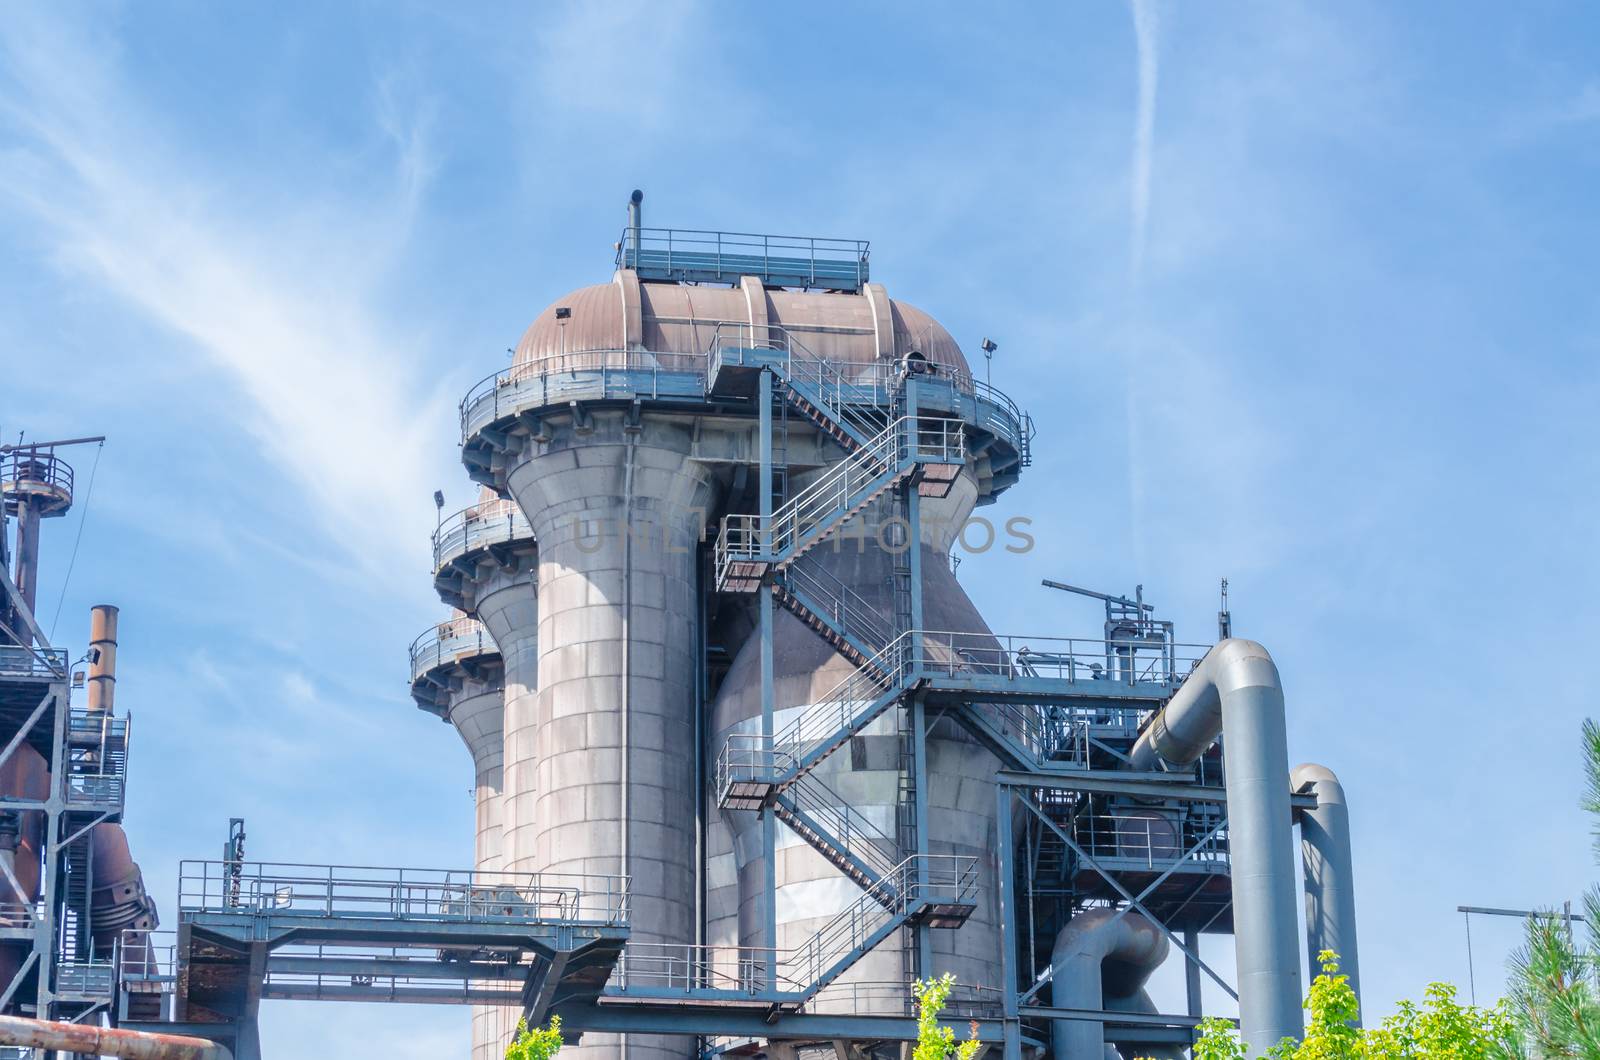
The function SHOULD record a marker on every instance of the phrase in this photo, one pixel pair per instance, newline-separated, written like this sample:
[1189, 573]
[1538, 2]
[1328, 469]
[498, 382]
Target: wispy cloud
[278, 299]
[1147, 32]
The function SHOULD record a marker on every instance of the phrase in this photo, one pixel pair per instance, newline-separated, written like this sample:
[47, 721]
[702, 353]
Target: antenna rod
[50, 445]
[1123, 600]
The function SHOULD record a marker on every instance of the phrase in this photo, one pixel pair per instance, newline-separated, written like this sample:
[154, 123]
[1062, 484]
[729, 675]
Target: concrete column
[507, 603]
[617, 511]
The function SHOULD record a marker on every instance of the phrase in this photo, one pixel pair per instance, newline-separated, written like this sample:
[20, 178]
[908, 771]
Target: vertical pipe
[1329, 872]
[1255, 756]
[627, 668]
[769, 833]
[1236, 691]
[27, 579]
[1004, 842]
[1191, 971]
[635, 221]
[102, 690]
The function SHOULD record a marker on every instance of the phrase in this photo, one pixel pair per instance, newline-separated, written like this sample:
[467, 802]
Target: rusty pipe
[107, 1041]
[102, 657]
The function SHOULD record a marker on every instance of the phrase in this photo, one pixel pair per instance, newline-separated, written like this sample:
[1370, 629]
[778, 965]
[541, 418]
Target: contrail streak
[1146, 30]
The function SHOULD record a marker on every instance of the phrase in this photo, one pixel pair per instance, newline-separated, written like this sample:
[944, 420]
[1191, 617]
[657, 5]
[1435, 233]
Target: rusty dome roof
[626, 314]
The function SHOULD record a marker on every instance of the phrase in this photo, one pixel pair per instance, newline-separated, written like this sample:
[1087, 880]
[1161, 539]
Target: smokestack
[635, 220]
[102, 657]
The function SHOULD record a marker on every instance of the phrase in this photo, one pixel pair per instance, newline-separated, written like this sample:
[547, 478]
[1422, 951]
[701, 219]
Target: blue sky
[1299, 294]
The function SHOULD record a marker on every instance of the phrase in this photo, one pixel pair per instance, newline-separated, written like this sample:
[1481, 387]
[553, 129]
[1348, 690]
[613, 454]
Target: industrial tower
[746, 757]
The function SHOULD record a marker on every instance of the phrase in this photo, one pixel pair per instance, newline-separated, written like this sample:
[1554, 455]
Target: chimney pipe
[635, 219]
[102, 658]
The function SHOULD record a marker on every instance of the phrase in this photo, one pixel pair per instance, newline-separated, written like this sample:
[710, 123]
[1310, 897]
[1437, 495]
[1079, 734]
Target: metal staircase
[939, 890]
[845, 837]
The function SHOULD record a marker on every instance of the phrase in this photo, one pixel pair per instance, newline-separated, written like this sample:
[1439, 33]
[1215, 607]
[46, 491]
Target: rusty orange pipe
[107, 1041]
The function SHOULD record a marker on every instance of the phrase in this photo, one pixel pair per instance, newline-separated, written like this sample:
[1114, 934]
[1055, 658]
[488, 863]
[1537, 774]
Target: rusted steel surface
[107, 1041]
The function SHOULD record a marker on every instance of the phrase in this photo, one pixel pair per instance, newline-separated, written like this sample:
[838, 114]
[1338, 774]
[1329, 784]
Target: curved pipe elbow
[1325, 852]
[1191, 721]
[1100, 955]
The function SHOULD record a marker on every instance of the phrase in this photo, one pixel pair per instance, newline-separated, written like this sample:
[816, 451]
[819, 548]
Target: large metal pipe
[1236, 690]
[1099, 955]
[635, 221]
[1329, 871]
[102, 685]
[88, 1040]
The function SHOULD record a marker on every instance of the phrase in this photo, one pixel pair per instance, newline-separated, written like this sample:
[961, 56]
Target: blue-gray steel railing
[730, 253]
[480, 526]
[367, 892]
[17, 661]
[448, 643]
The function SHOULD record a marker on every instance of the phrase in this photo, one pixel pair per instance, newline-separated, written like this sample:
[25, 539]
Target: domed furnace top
[627, 315]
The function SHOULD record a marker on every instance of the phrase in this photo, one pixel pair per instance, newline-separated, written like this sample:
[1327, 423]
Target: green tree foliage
[1438, 1029]
[538, 1043]
[933, 1041]
[1554, 974]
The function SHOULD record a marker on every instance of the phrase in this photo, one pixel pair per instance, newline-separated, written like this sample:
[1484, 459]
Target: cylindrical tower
[485, 564]
[618, 508]
[458, 676]
[610, 436]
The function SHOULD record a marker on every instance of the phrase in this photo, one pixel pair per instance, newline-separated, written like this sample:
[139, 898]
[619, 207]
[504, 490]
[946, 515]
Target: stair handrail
[847, 611]
[835, 395]
[855, 834]
[813, 507]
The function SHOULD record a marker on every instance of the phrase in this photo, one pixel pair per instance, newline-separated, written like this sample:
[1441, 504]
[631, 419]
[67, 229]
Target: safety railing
[830, 721]
[490, 523]
[1058, 658]
[665, 967]
[1152, 839]
[98, 745]
[855, 396]
[37, 471]
[844, 489]
[401, 894]
[448, 643]
[942, 877]
[148, 958]
[90, 979]
[788, 261]
[579, 375]
[832, 600]
[965, 1002]
[848, 829]
[46, 663]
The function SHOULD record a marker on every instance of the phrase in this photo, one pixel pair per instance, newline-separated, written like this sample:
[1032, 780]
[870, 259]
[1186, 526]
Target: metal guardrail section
[749, 765]
[582, 376]
[1152, 841]
[654, 969]
[357, 892]
[859, 400]
[832, 600]
[92, 980]
[482, 525]
[98, 745]
[37, 471]
[687, 254]
[855, 396]
[449, 643]
[949, 654]
[843, 490]
[966, 1002]
[46, 663]
[855, 835]
[149, 960]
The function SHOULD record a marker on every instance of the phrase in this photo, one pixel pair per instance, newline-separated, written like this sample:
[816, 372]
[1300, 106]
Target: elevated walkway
[686, 255]
[249, 931]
